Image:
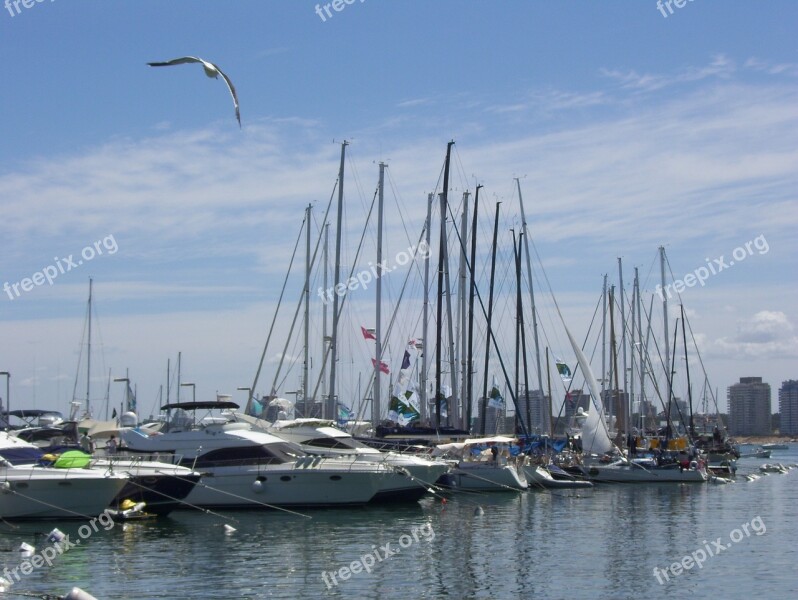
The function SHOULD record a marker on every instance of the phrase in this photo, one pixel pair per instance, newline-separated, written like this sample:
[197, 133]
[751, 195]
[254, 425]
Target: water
[599, 543]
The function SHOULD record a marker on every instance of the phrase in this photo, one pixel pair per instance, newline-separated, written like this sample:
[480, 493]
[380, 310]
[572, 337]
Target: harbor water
[604, 542]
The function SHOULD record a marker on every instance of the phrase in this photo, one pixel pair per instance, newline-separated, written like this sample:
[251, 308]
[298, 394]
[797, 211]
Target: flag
[563, 370]
[403, 408]
[383, 366]
[368, 333]
[131, 400]
[113, 414]
[406, 360]
[495, 397]
[344, 413]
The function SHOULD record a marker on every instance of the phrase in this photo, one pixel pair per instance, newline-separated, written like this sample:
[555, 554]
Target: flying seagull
[211, 70]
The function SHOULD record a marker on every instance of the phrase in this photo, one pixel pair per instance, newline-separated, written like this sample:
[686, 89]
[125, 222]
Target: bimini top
[32, 413]
[200, 405]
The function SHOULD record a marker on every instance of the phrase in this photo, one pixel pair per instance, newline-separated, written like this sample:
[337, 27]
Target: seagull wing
[177, 61]
[232, 89]
[210, 70]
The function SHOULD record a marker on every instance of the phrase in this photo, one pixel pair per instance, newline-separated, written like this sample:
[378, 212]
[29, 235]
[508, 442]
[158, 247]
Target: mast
[620, 422]
[517, 266]
[548, 387]
[88, 358]
[324, 336]
[642, 395]
[168, 375]
[665, 318]
[525, 232]
[623, 329]
[471, 293]
[461, 310]
[441, 265]
[306, 363]
[518, 260]
[425, 318]
[376, 392]
[490, 318]
[330, 412]
[604, 338]
[179, 357]
[691, 431]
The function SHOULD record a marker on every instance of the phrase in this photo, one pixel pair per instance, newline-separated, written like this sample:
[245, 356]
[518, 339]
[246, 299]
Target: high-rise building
[788, 407]
[534, 409]
[749, 407]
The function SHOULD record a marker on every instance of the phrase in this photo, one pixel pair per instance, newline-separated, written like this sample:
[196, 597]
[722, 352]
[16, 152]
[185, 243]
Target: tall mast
[517, 268]
[330, 412]
[525, 231]
[168, 375]
[604, 338]
[665, 318]
[323, 321]
[375, 402]
[691, 431]
[179, 360]
[471, 294]
[619, 406]
[425, 318]
[306, 365]
[88, 357]
[441, 264]
[461, 310]
[518, 261]
[490, 319]
[642, 365]
[623, 327]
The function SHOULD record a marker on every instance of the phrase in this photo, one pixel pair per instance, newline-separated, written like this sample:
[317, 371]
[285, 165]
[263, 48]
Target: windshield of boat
[269, 454]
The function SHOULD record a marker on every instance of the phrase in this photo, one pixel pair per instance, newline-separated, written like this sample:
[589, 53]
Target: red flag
[383, 366]
[368, 333]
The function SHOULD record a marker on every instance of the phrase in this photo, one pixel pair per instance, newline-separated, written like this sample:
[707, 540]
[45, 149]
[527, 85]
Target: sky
[627, 126]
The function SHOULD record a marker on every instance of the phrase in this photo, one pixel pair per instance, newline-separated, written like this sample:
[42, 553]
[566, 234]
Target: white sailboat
[489, 471]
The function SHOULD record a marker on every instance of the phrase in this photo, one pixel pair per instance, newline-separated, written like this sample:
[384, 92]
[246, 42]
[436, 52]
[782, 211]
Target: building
[788, 408]
[534, 408]
[749, 407]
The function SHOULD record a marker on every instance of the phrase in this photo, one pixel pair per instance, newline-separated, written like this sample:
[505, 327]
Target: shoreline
[764, 439]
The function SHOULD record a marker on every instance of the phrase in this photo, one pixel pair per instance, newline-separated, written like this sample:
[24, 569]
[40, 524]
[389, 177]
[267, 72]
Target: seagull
[211, 70]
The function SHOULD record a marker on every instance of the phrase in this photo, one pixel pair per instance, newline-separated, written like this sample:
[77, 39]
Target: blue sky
[629, 130]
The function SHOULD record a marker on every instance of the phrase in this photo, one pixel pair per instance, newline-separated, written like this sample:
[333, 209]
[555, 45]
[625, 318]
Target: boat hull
[485, 477]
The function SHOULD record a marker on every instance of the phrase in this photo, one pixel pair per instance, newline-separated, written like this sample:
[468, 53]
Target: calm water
[600, 543]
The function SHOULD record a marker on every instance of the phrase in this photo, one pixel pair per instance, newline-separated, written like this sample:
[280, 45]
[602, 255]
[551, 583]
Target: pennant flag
[404, 408]
[563, 370]
[406, 360]
[113, 414]
[383, 366]
[368, 333]
[495, 397]
[344, 413]
[131, 400]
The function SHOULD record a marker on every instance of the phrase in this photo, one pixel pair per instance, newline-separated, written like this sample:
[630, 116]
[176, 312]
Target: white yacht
[245, 468]
[30, 490]
[486, 471]
[412, 476]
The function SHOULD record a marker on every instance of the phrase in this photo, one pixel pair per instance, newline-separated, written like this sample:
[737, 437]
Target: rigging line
[290, 335]
[395, 313]
[703, 368]
[199, 508]
[280, 299]
[344, 296]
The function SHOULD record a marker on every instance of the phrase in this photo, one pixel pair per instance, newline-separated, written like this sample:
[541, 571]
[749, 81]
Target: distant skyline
[627, 130]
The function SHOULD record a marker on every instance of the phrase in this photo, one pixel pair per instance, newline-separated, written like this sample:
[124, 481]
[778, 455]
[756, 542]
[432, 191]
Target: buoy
[257, 486]
[5, 486]
[78, 594]
[229, 529]
[55, 536]
[26, 550]
[478, 512]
